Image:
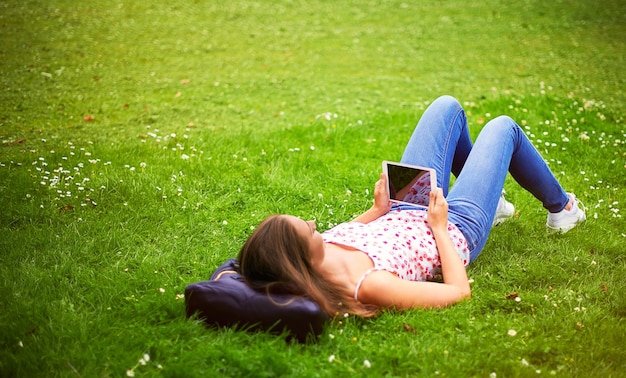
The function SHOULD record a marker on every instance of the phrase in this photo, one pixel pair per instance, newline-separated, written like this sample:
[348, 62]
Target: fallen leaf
[604, 287]
[512, 295]
[67, 208]
[408, 328]
[18, 141]
[89, 118]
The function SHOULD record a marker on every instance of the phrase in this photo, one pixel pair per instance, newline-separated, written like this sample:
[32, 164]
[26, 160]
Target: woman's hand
[381, 205]
[438, 210]
[382, 201]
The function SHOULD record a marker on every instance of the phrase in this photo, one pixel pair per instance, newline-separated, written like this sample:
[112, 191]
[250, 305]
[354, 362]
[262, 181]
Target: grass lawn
[141, 142]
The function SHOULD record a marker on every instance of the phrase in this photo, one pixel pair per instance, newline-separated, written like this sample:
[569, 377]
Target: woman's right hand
[438, 210]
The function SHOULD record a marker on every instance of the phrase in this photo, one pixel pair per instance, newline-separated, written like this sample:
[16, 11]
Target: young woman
[389, 256]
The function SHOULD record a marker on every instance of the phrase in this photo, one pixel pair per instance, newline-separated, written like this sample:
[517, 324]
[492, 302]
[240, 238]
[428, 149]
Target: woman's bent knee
[502, 121]
[500, 124]
[448, 101]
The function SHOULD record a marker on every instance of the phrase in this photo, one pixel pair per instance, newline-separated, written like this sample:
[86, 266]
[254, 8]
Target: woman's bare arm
[452, 266]
[386, 290]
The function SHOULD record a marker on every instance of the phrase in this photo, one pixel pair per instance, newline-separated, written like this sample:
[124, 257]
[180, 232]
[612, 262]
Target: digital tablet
[409, 184]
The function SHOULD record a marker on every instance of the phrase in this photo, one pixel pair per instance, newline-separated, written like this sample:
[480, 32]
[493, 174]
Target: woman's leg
[501, 146]
[440, 140]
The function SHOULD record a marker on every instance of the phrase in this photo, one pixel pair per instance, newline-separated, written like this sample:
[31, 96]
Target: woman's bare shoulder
[345, 266]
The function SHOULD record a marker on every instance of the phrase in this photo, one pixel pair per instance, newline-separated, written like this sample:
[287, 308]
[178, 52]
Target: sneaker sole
[498, 221]
[565, 229]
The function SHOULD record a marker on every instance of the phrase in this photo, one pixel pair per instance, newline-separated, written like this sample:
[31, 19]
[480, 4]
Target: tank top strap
[358, 284]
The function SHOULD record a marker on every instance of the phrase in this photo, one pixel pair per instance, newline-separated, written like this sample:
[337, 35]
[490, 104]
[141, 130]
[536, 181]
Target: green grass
[141, 142]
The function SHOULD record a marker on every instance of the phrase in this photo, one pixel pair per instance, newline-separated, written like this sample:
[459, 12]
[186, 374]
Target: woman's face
[308, 231]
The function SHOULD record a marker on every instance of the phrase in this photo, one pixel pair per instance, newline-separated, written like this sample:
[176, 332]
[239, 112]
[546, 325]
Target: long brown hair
[276, 258]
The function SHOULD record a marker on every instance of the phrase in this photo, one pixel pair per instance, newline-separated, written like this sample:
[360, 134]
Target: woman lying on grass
[388, 256]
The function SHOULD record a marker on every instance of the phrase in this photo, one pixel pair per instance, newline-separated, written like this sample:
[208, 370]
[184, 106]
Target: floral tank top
[400, 242]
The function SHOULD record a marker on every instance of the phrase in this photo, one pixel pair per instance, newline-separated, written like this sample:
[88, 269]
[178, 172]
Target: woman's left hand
[381, 205]
[381, 195]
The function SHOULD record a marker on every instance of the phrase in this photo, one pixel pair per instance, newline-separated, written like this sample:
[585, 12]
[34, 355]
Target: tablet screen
[409, 184]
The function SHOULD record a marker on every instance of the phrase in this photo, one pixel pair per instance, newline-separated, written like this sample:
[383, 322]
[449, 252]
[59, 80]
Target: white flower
[512, 332]
[146, 357]
[524, 362]
[130, 373]
[331, 358]
[367, 364]
[184, 157]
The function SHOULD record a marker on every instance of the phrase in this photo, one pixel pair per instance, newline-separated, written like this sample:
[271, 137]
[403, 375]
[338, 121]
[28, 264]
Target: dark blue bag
[227, 301]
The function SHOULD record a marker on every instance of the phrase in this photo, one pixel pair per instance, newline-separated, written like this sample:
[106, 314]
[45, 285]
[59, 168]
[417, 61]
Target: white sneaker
[565, 220]
[504, 211]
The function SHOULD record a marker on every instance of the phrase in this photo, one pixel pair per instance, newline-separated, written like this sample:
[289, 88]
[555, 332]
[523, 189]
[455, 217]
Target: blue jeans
[441, 141]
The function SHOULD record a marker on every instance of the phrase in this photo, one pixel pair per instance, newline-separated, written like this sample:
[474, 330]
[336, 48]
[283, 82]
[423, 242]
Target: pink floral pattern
[400, 242]
[420, 191]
